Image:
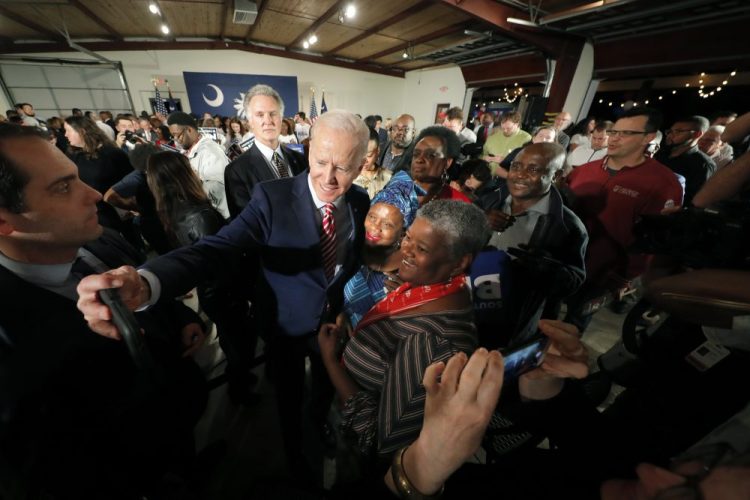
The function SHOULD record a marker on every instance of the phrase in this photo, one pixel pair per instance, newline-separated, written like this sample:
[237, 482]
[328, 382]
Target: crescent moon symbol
[214, 103]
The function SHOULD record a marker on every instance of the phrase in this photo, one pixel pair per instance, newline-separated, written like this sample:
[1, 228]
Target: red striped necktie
[328, 241]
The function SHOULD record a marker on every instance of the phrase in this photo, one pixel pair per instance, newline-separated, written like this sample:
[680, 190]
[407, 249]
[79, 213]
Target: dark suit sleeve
[238, 195]
[571, 277]
[215, 256]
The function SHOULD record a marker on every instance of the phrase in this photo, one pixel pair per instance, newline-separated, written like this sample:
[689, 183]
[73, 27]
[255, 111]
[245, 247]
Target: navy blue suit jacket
[292, 294]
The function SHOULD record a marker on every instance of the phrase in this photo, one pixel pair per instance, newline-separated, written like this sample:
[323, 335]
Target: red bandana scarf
[405, 297]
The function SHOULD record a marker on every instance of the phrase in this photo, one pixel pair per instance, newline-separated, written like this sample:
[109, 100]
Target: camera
[131, 137]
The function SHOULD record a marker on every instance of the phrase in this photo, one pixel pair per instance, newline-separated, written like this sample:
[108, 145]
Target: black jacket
[75, 421]
[559, 235]
[251, 168]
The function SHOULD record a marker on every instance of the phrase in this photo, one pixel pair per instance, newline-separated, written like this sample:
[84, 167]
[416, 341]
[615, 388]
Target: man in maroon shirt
[610, 195]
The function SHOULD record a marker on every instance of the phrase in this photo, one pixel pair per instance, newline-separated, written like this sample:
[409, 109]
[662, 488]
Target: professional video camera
[700, 237]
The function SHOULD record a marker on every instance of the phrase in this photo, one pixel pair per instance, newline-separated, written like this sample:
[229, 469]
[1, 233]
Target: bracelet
[405, 489]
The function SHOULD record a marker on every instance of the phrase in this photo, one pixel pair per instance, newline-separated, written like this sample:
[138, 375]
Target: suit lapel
[259, 161]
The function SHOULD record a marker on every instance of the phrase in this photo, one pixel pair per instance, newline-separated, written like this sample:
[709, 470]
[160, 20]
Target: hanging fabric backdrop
[223, 93]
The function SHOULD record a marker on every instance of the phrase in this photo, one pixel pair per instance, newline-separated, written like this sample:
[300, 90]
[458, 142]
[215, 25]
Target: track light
[153, 8]
[405, 55]
[165, 29]
[522, 22]
[313, 39]
[350, 11]
[305, 44]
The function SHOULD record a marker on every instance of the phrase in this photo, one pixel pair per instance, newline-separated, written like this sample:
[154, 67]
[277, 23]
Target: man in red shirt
[611, 194]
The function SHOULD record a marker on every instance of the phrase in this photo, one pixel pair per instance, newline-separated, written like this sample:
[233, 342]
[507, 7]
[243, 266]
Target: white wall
[357, 91]
[425, 89]
[4, 104]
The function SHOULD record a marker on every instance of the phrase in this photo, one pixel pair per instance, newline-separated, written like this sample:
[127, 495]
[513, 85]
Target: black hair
[181, 118]
[301, 114]
[446, 135]
[12, 179]
[374, 135]
[699, 123]
[139, 156]
[654, 117]
[378, 118]
[370, 121]
[479, 168]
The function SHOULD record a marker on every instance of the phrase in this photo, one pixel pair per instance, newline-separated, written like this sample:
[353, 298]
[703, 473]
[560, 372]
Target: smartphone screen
[525, 358]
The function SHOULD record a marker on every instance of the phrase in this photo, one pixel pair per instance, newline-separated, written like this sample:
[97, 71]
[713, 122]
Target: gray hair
[464, 225]
[265, 90]
[346, 122]
[545, 127]
[717, 128]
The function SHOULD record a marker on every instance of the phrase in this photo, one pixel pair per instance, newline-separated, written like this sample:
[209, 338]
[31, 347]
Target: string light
[601, 101]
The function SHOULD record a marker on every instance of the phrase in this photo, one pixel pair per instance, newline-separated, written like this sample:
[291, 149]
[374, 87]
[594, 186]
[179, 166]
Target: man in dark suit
[309, 231]
[483, 132]
[75, 420]
[266, 159]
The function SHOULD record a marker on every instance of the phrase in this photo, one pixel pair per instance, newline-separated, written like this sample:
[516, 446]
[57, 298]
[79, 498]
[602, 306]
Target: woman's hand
[328, 340]
[566, 357]
[457, 411]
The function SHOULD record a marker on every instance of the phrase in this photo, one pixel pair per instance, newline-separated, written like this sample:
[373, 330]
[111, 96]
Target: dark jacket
[694, 165]
[293, 293]
[559, 235]
[250, 169]
[194, 222]
[75, 421]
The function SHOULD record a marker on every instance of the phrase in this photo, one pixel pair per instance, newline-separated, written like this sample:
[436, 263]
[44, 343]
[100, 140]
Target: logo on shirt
[627, 192]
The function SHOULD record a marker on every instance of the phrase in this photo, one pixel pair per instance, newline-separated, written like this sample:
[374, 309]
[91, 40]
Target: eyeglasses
[427, 154]
[530, 170]
[402, 129]
[695, 465]
[625, 133]
[678, 131]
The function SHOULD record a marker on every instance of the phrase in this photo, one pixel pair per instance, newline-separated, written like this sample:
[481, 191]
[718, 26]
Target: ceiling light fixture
[165, 29]
[350, 11]
[312, 40]
[405, 55]
[522, 22]
[153, 8]
[305, 44]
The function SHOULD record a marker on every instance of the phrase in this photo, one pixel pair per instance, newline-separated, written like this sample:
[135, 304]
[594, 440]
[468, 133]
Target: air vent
[245, 12]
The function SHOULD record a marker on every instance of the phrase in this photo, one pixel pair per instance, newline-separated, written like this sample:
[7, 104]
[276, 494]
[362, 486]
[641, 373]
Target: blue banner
[223, 93]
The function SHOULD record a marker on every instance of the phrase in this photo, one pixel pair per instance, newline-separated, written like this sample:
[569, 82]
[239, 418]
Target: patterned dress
[364, 290]
[387, 359]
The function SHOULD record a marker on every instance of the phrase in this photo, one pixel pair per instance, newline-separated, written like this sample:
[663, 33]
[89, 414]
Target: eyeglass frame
[625, 133]
[673, 131]
[720, 453]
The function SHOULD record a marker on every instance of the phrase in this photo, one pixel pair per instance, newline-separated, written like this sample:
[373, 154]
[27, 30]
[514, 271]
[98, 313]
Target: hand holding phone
[525, 357]
[128, 326]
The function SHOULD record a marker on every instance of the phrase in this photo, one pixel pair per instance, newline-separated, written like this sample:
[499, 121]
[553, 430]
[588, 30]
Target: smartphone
[129, 329]
[524, 358]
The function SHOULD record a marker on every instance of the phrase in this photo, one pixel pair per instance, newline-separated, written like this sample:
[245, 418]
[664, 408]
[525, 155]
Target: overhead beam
[30, 24]
[317, 24]
[262, 4]
[224, 22]
[582, 10]
[423, 39]
[404, 14]
[496, 14]
[30, 48]
[98, 20]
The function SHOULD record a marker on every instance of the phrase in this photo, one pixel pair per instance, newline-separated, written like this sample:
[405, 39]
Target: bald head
[552, 154]
[402, 131]
[562, 120]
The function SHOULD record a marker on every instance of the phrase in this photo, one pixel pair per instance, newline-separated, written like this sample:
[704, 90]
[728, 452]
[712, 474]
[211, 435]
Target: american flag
[159, 103]
[313, 109]
[323, 107]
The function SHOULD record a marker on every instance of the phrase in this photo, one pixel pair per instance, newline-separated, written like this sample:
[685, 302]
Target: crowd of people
[395, 260]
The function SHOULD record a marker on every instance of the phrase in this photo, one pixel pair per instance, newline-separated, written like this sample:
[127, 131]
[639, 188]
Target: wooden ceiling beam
[98, 20]
[224, 22]
[30, 24]
[338, 5]
[448, 30]
[404, 14]
[262, 4]
[496, 14]
[30, 48]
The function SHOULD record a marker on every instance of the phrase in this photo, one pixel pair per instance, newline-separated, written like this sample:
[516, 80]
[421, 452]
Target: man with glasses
[402, 136]
[206, 157]
[610, 195]
[682, 155]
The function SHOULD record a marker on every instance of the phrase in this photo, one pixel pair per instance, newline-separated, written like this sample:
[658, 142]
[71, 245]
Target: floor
[246, 441]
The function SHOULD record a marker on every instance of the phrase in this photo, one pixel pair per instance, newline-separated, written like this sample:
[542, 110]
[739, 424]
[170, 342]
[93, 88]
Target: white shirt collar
[43, 275]
[266, 151]
[338, 202]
